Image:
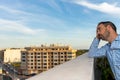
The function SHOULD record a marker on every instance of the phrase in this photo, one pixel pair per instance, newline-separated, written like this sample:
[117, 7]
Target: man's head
[104, 29]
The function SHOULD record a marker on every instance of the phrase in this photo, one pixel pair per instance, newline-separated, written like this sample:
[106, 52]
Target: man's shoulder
[118, 37]
[116, 43]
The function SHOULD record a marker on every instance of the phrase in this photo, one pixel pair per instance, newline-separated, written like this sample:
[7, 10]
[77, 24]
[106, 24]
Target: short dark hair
[105, 23]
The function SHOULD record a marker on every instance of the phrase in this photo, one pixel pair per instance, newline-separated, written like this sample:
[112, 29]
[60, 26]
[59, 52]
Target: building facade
[12, 55]
[39, 59]
[2, 54]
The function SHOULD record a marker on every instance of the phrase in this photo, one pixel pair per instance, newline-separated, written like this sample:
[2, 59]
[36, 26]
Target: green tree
[103, 69]
[80, 52]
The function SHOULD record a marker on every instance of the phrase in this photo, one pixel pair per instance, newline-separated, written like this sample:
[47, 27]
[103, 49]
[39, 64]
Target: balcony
[80, 68]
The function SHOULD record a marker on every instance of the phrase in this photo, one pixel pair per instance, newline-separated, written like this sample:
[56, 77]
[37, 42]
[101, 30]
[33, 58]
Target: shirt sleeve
[94, 51]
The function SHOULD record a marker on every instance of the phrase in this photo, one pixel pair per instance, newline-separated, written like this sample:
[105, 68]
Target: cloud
[14, 26]
[54, 4]
[10, 10]
[104, 7]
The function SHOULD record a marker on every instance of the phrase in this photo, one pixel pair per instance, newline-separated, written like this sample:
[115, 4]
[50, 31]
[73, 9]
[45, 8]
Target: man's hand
[97, 34]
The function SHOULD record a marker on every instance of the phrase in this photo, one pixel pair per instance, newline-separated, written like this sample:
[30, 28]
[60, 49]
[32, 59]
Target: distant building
[12, 55]
[1, 72]
[39, 59]
[2, 54]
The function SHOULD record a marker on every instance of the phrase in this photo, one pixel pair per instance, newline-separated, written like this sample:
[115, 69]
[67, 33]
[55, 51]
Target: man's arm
[94, 51]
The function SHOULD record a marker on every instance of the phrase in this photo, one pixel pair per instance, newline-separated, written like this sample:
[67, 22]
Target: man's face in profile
[102, 32]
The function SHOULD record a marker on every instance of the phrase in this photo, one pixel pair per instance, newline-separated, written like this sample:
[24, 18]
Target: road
[10, 71]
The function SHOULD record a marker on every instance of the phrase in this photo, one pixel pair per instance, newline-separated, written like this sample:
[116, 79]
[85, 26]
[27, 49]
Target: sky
[25, 23]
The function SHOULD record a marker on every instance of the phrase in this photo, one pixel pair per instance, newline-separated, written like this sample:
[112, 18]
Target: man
[107, 31]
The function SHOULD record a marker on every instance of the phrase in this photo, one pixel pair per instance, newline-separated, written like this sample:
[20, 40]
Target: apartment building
[12, 55]
[39, 59]
[2, 54]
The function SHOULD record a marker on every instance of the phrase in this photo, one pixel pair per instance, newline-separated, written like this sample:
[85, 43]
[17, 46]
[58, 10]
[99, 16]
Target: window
[69, 56]
[45, 53]
[38, 53]
[45, 67]
[66, 48]
[55, 53]
[45, 60]
[38, 67]
[23, 53]
[23, 56]
[62, 60]
[45, 56]
[61, 53]
[52, 48]
[62, 56]
[38, 63]
[55, 56]
[23, 60]
[69, 52]
[38, 60]
[56, 60]
[45, 63]
[55, 63]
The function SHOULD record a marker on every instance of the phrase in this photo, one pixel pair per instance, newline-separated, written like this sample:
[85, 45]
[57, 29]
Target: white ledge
[80, 68]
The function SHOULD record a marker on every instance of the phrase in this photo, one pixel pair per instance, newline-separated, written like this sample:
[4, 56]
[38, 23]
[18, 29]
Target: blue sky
[65, 22]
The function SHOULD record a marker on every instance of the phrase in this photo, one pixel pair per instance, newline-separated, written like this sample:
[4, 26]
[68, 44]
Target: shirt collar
[116, 43]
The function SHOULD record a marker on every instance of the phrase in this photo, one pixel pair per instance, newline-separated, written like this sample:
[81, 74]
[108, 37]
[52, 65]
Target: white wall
[12, 55]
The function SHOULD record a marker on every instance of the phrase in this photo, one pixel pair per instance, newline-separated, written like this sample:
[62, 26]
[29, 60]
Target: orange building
[39, 59]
